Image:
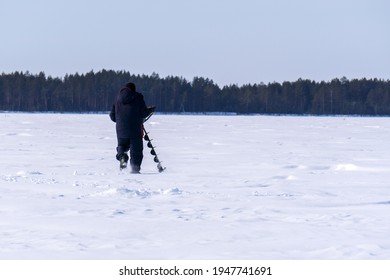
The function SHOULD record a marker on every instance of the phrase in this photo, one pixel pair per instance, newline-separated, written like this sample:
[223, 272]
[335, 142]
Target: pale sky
[228, 41]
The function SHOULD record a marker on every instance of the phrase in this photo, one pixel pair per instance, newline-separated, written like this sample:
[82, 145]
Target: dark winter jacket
[128, 112]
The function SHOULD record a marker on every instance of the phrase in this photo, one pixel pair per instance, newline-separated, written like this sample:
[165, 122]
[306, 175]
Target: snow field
[235, 187]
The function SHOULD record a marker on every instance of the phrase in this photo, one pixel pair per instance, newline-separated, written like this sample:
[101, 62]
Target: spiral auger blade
[153, 152]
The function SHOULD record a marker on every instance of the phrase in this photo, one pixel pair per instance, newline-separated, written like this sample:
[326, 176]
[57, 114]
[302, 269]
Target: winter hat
[131, 86]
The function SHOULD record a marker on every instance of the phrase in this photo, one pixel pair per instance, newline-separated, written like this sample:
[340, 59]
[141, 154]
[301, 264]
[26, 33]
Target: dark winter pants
[135, 145]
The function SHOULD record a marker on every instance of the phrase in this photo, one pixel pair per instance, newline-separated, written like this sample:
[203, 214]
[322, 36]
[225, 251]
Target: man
[129, 111]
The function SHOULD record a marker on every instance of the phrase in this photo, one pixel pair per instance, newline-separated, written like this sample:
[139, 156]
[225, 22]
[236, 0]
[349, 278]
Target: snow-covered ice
[235, 187]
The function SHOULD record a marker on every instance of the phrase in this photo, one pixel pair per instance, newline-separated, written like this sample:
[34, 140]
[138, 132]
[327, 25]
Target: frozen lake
[235, 187]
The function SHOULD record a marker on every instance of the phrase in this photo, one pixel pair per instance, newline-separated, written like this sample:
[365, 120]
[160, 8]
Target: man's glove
[150, 110]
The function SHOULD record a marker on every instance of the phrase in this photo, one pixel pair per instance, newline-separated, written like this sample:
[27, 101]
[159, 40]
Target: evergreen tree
[96, 91]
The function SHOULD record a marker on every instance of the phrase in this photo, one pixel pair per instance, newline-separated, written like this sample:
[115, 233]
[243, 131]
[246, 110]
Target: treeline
[96, 92]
